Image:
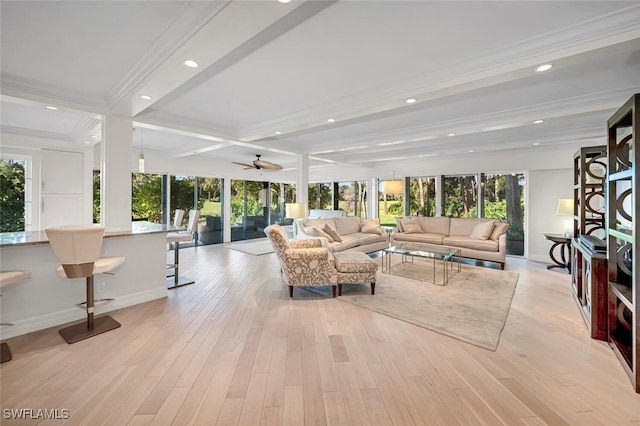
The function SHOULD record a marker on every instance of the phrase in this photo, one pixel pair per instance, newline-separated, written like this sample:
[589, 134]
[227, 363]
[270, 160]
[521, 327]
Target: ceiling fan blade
[247, 166]
[267, 165]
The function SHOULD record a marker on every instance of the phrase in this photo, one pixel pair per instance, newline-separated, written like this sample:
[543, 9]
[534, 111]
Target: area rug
[255, 247]
[473, 307]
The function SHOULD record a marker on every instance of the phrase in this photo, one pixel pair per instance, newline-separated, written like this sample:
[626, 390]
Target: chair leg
[5, 353]
[92, 327]
[290, 291]
[176, 266]
[333, 288]
[373, 288]
[339, 290]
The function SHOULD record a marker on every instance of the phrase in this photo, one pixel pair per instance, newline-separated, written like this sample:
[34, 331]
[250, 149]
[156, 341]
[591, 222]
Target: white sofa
[354, 234]
[482, 239]
[324, 214]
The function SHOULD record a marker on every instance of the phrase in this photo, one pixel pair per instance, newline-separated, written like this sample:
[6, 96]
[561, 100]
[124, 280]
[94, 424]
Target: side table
[563, 242]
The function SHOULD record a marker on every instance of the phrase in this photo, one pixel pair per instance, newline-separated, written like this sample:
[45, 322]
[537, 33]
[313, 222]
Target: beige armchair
[304, 263]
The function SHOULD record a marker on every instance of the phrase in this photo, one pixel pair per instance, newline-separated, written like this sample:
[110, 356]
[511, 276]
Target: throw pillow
[411, 226]
[372, 229]
[399, 224]
[334, 234]
[482, 231]
[499, 229]
[320, 233]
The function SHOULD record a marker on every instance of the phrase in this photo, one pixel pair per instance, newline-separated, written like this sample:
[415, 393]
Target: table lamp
[295, 211]
[565, 208]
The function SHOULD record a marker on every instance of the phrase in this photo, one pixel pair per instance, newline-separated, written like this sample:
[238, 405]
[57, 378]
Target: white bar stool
[176, 238]
[7, 278]
[77, 248]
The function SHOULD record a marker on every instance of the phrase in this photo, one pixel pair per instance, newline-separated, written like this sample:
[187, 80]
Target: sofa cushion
[332, 232]
[434, 225]
[464, 226]
[498, 229]
[411, 226]
[372, 229]
[347, 225]
[419, 238]
[309, 223]
[355, 262]
[348, 241]
[462, 241]
[319, 232]
[364, 238]
[482, 230]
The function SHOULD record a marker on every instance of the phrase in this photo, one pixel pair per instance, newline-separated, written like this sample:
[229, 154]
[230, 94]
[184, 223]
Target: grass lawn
[211, 208]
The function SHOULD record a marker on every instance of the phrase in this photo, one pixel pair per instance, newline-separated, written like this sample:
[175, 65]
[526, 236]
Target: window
[146, 197]
[210, 200]
[352, 199]
[504, 200]
[422, 196]
[15, 193]
[460, 196]
[248, 212]
[390, 206]
[321, 196]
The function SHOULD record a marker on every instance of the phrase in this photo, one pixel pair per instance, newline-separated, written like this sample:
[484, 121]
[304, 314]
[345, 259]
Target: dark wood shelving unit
[589, 268]
[622, 241]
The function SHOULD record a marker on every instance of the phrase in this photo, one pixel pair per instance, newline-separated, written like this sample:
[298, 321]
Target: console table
[563, 243]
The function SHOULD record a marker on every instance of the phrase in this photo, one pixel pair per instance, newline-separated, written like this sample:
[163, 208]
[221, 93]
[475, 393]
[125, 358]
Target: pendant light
[392, 186]
[141, 157]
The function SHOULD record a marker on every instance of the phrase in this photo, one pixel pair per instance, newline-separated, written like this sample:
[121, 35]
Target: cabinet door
[61, 172]
[62, 196]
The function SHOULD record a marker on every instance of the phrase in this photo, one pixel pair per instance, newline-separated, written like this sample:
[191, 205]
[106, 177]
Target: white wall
[546, 187]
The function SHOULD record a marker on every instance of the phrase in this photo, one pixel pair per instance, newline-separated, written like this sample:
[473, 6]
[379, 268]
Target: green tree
[12, 195]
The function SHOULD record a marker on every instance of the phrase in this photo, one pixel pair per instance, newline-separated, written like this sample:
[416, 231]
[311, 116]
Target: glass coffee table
[448, 255]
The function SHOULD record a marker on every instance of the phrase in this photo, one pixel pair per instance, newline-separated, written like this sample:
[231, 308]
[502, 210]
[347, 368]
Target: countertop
[8, 239]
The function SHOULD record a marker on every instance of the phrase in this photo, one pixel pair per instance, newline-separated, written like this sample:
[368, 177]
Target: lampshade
[295, 210]
[392, 187]
[565, 207]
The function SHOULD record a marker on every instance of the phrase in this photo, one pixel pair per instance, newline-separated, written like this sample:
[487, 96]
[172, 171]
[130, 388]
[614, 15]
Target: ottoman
[355, 267]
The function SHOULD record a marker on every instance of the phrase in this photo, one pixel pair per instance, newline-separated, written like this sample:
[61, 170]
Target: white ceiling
[268, 67]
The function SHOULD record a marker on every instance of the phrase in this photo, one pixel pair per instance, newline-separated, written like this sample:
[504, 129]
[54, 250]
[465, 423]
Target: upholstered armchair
[304, 263]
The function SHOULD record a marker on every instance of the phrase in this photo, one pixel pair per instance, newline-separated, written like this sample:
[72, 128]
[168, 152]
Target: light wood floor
[235, 349]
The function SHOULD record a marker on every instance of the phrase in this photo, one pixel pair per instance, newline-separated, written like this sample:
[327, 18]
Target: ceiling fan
[259, 164]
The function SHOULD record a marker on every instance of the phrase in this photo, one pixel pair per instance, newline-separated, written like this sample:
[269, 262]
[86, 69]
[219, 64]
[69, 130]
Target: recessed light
[538, 121]
[87, 143]
[278, 133]
[284, 1]
[451, 134]
[146, 97]
[536, 143]
[331, 120]
[545, 67]
[94, 137]
[471, 150]
[411, 100]
[191, 63]
[51, 107]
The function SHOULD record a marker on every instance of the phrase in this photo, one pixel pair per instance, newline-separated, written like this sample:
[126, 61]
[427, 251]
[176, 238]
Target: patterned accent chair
[304, 263]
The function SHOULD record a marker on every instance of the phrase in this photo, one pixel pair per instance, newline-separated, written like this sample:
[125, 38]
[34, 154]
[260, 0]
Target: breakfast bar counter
[45, 300]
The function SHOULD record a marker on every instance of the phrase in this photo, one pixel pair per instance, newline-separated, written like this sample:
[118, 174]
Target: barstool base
[77, 332]
[173, 283]
[5, 353]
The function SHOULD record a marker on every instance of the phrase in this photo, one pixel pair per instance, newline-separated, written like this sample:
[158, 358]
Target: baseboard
[542, 258]
[53, 319]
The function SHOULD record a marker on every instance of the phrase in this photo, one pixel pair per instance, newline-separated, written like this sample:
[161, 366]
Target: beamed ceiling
[272, 75]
